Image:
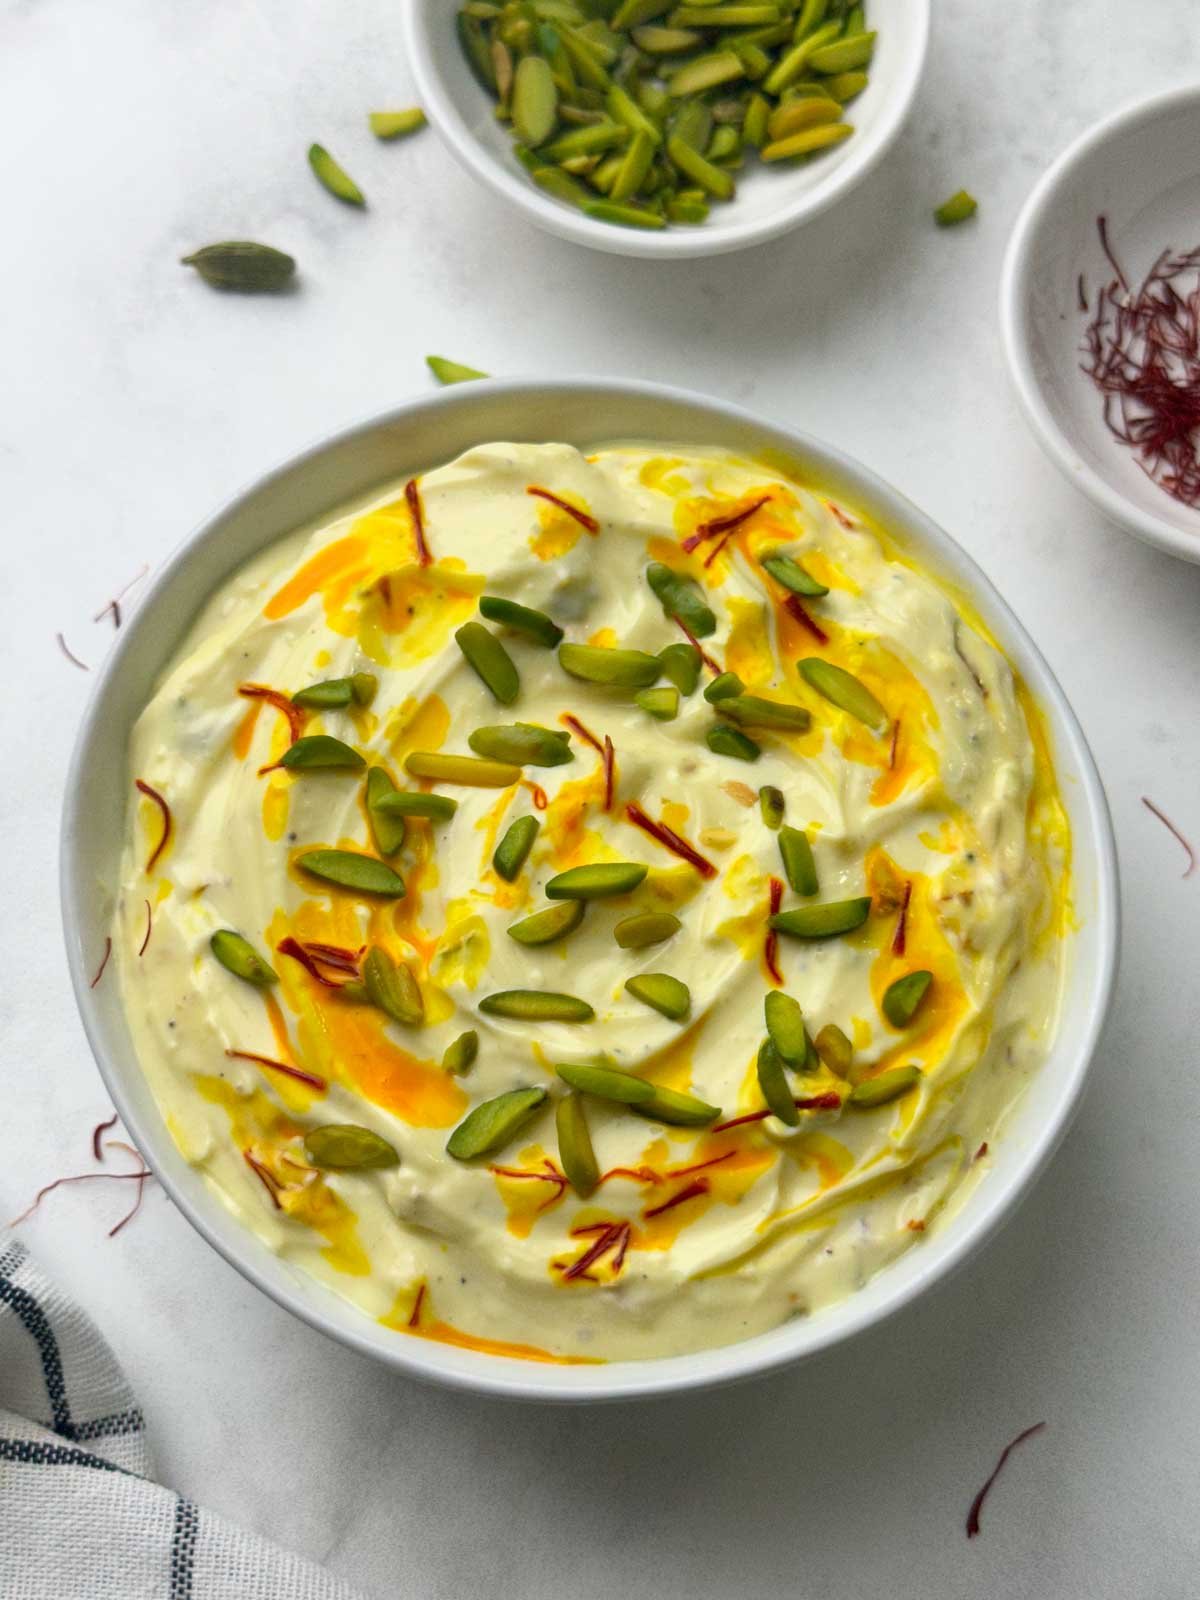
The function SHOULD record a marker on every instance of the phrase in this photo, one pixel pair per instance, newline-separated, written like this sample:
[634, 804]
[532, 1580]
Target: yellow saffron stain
[417, 725]
[748, 651]
[243, 734]
[408, 615]
[557, 532]
[528, 1186]
[464, 949]
[445, 1333]
[564, 823]
[666, 474]
[671, 1067]
[276, 804]
[604, 639]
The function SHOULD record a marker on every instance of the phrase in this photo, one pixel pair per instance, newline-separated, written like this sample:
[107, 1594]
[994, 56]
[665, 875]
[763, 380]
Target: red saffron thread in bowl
[672, 840]
[103, 962]
[581, 517]
[294, 714]
[165, 811]
[771, 943]
[149, 929]
[412, 495]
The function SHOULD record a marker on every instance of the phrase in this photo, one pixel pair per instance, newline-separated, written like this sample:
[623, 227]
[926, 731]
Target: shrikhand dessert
[591, 907]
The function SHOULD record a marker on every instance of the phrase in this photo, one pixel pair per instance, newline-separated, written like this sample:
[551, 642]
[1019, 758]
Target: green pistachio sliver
[345, 1147]
[621, 669]
[624, 109]
[333, 177]
[724, 16]
[386, 829]
[825, 921]
[535, 625]
[525, 744]
[468, 771]
[771, 804]
[634, 168]
[724, 740]
[681, 664]
[789, 67]
[586, 61]
[243, 265]
[536, 1005]
[350, 870]
[677, 1110]
[844, 55]
[713, 180]
[606, 1083]
[692, 122]
[560, 184]
[659, 41]
[725, 146]
[706, 72]
[794, 116]
[459, 1055]
[452, 371]
[772, 1081]
[855, 22]
[396, 124]
[495, 1123]
[690, 211]
[812, 1061]
[888, 1086]
[416, 803]
[545, 927]
[795, 849]
[597, 881]
[630, 13]
[489, 660]
[513, 850]
[723, 687]
[646, 928]
[238, 955]
[681, 597]
[364, 686]
[316, 751]
[834, 1048]
[575, 1153]
[958, 208]
[754, 124]
[785, 1025]
[534, 101]
[753, 57]
[662, 992]
[845, 86]
[807, 142]
[392, 987]
[592, 139]
[753, 711]
[662, 704]
[792, 576]
[904, 998]
[625, 216]
[474, 40]
[812, 15]
[844, 690]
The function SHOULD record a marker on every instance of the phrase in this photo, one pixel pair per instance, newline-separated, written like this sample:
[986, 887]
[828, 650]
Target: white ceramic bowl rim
[85, 916]
[1014, 283]
[721, 233]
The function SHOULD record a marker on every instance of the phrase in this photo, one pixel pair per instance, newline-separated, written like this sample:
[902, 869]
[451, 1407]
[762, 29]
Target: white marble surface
[133, 401]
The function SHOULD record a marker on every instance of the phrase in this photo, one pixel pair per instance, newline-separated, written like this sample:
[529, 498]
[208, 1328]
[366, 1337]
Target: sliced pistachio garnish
[771, 803]
[887, 1086]
[793, 576]
[959, 208]
[452, 371]
[808, 142]
[392, 987]
[785, 1024]
[467, 771]
[646, 928]
[243, 265]
[834, 1048]
[492, 1125]
[345, 1147]
[844, 690]
[904, 998]
[525, 744]
[662, 993]
[364, 686]
[417, 803]
[723, 740]
[536, 1005]
[597, 881]
[795, 850]
[387, 829]
[621, 669]
[238, 955]
[772, 1080]
[350, 870]
[513, 850]
[544, 927]
[753, 711]
[662, 704]
[677, 1109]
[317, 751]
[535, 625]
[575, 1153]
[333, 177]
[490, 661]
[681, 664]
[534, 103]
[723, 687]
[606, 1083]
[824, 921]
[846, 55]
[683, 598]
[396, 124]
[624, 216]
[459, 1055]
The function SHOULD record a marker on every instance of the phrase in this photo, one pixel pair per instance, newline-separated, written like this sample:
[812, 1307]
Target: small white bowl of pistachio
[650, 129]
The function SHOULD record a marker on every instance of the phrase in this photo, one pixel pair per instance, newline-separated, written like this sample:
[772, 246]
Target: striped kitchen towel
[79, 1514]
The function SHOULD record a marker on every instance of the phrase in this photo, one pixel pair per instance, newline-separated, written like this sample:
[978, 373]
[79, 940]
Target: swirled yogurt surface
[946, 815]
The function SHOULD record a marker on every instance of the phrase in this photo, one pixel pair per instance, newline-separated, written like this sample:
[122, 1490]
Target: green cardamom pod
[242, 265]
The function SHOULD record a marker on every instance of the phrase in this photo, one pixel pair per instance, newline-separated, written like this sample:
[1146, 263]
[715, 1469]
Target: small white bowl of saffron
[1100, 310]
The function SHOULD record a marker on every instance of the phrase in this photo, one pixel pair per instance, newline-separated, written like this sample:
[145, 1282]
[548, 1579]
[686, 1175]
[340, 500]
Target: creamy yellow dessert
[591, 907]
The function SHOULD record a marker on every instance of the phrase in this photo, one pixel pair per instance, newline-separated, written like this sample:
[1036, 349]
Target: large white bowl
[417, 436]
[768, 202]
[1139, 168]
